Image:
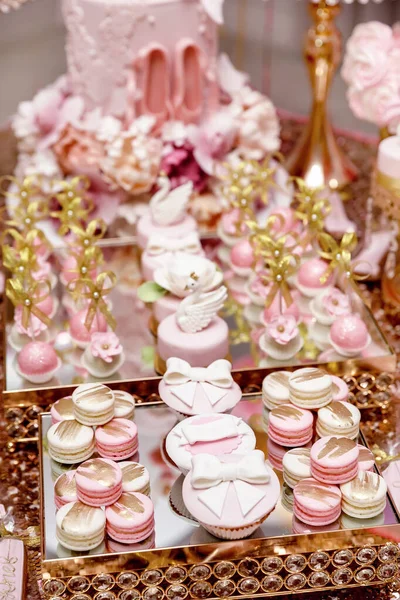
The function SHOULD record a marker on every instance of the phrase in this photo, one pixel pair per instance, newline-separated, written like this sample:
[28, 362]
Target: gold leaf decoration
[336, 447]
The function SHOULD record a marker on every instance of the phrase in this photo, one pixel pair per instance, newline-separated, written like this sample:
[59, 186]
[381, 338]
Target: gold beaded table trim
[248, 576]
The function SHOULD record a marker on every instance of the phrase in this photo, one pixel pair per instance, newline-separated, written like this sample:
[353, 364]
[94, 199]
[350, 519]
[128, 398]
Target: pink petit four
[195, 390]
[290, 426]
[167, 216]
[334, 460]
[317, 503]
[131, 519]
[195, 333]
[65, 489]
[231, 496]
[211, 434]
[37, 362]
[98, 482]
[161, 250]
[62, 410]
[117, 440]
[309, 277]
[281, 339]
[80, 335]
[349, 336]
[104, 355]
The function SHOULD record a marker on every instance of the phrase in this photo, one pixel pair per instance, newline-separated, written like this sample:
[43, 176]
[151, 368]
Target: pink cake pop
[274, 311]
[242, 258]
[70, 270]
[37, 362]
[309, 277]
[349, 335]
[79, 333]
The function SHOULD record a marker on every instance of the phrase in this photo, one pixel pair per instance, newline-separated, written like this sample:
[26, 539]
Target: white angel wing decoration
[169, 207]
[193, 316]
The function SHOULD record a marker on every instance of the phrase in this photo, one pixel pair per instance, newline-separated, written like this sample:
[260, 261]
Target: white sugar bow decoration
[219, 429]
[213, 476]
[158, 245]
[183, 380]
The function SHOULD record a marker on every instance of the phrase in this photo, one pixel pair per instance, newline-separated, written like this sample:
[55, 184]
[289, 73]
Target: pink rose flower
[379, 105]
[336, 303]
[282, 329]
[180, 166]
[213, 140]
[105, 346]
[367, 57]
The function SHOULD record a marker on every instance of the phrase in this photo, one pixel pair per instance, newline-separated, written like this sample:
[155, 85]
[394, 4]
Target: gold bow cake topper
[88, 236]
[28, 299]
[339, 258]
[311, 208]
[22, 263]
[95, 292]
[75, 204]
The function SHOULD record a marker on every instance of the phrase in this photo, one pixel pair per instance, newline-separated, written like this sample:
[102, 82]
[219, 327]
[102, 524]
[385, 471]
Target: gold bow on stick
[87, 237]
[28, 299]
[75, 205]
[31, 207]
[94, 292]
[278, 275]
[338, 255]
[27, 189]
[86, 261]
[310, 208]
[21, 263]
[26, 240]
[262, 176]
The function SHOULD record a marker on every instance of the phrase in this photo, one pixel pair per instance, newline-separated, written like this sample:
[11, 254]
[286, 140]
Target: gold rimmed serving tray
[24, 401]
[188, 562]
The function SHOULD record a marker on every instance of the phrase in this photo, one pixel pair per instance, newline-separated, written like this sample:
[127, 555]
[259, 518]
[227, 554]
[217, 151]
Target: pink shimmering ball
[310, 274]
[349, 332]
[37, 358]
[78, 330]
[242, 255]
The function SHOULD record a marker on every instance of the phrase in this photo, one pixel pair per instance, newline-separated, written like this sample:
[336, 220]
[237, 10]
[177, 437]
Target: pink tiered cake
[130, 57]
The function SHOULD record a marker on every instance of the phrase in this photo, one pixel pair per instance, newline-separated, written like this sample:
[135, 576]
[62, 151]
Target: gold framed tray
[24, 401]
[184, 561]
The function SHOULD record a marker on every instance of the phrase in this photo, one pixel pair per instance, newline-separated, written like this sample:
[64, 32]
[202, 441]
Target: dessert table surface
[19, 465]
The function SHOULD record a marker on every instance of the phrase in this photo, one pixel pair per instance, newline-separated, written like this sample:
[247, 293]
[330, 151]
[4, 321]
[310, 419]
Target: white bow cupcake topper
[219, 429]
[158, 245]
[213, 476]
[183, 379]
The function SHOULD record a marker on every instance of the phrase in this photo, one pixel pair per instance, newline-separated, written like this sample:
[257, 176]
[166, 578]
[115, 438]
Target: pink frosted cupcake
[37, 362]
[195, 391]
[281, 339]
[80, 335]
[212, 434]
[349, 336]
[167, 216]
[308, 279]
[104, 355]
[217, 493]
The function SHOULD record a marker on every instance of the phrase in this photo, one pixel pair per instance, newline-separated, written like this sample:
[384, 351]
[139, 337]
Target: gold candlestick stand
[317, 158]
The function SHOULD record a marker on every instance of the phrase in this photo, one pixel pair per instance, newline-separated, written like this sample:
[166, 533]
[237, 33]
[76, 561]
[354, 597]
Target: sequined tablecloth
[19, 466]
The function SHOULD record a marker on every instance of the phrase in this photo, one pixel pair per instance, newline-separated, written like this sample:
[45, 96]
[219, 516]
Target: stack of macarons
[94, 418]
[335, 480]
[121, 494]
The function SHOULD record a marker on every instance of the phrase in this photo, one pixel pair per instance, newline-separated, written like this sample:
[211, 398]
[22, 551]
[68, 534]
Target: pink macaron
[98, 482]
[334, 460]
[316, 503]
[366, 459]
[131, 519]
[117, 439]
[290, 426]
[37, 362]
[275, 454]
[340, 389]
[62, 410]
[65, 489]
[310, 277]
[349, 335]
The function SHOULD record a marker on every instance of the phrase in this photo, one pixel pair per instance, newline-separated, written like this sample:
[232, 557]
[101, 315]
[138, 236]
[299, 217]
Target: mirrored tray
[133, 317]
[179, 540]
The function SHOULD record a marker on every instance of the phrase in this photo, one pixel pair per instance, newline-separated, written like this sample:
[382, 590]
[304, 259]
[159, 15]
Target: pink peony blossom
[282, 329]
[379, 105]
[336, 303]
[105, 346]
[213, 140]
[367, 58]
[180, 166]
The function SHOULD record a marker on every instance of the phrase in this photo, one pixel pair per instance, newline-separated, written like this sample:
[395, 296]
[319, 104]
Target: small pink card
[12, 569]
